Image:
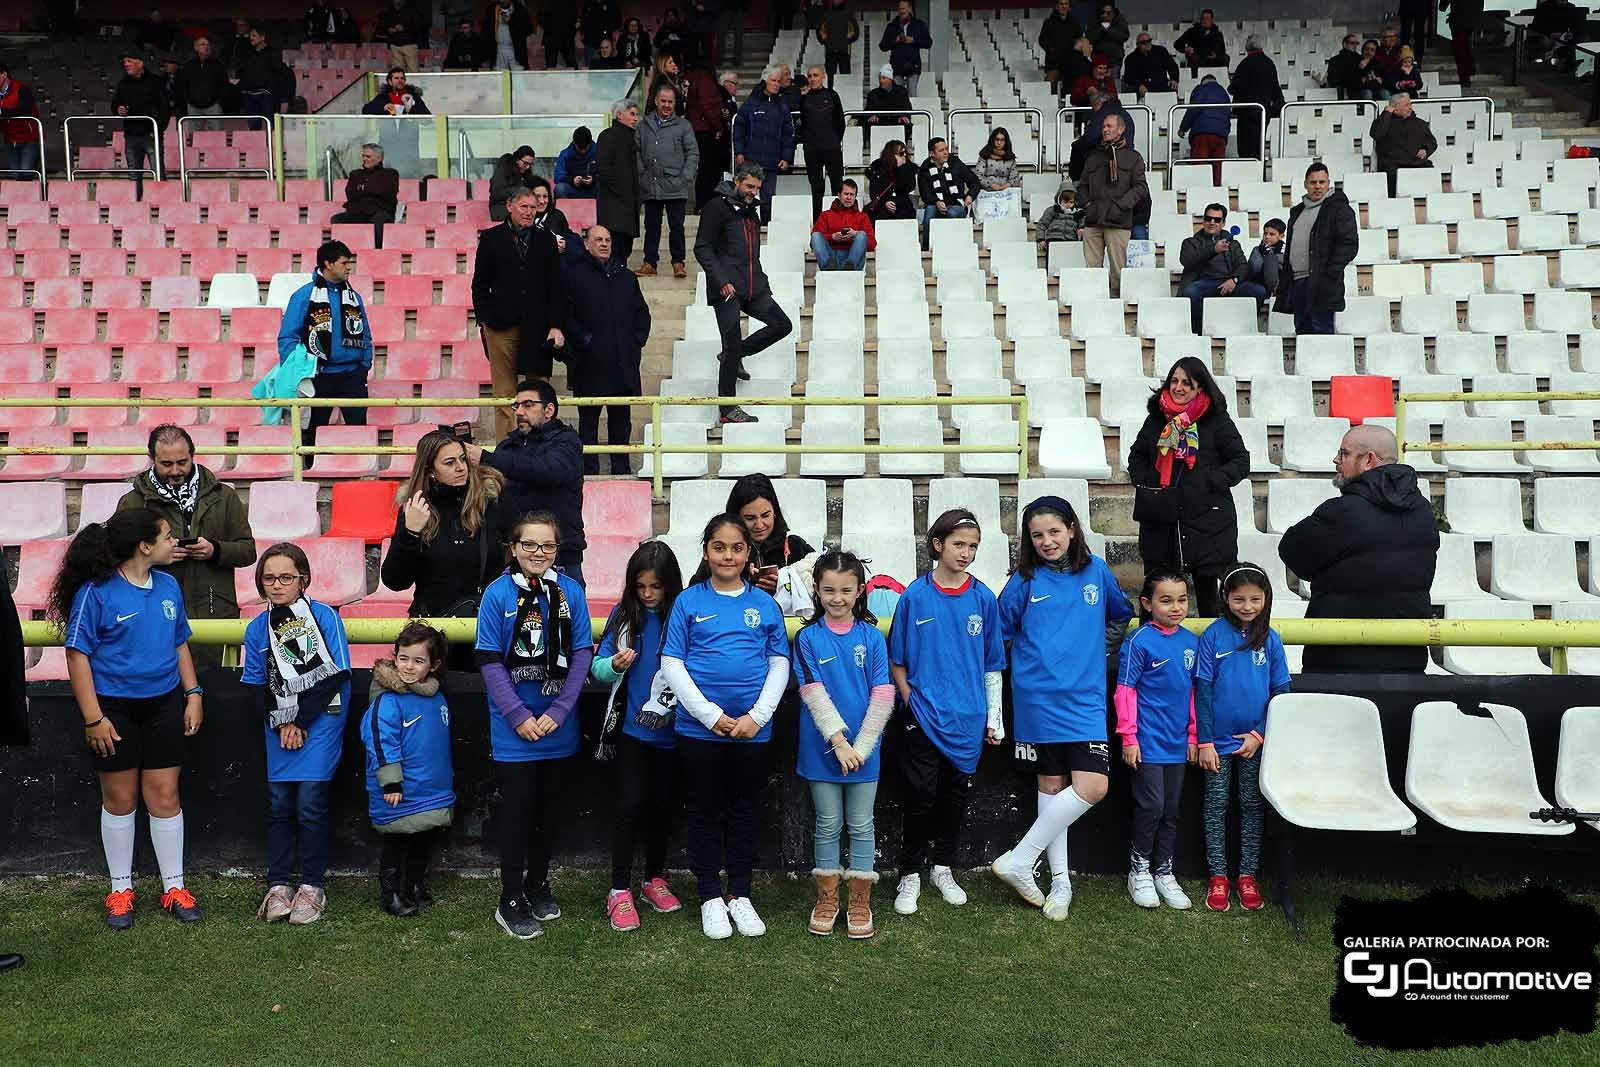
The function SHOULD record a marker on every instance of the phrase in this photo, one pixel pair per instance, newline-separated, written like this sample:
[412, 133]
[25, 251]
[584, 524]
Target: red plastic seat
[258, 191]
[231, 417]
[194, 325]
[447, 390]
[16, 191]
[405, 236]
[459, 236]
[210, 364]
[207, 438]
[173, 215]
[193, 237]
[285, 511]
[61, 191]
[427, 213]
[96, 263]
[580, 213]
[16, 326]
[83, 364]
[21, 363]
[128, 327]
[358, 236]
[207, 263]
[338, 568]
[180, 291]
[1358, 397]
[33, 511]
[448, 190]
[37, 468]
[441, 323]
[134, 238]
[37, 565]
[247, 236]
[37, 213]
[58, 293]
[388, 417]
[605, 568]
[347, 466]
[97, 501]
[210, 191]
[456, 292]
[474, 214]
[362, 509]
[30, 418]
[132, 213]
[149, 364]
[108, 190]
[84, 214]
[37, 235]
[117, 292]
[73, 326]
[265, 262]
[433, 262]
[47, 262]
[388, 324]
[263, 466]
[277, 215]
[8, 263]
[321, 215]
[410, 190]
[157, 262]
[411, 361]
[303, 238]
[381, 262]
[11, 290]
[304, 191]
[110, 416]
[255, 326]
[167, 191]
[115, 468]
[408, 291]
[229, 216]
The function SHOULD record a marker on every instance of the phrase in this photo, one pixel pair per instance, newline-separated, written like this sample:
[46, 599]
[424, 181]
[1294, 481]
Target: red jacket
[18, 100]
[838, 217]
[1085, 82]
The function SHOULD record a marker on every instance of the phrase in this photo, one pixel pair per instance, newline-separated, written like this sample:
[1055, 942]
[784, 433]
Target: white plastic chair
[1160, 316]
[1073, 448]
[1484, 507]
[1538, 354]
[1430, 315]
[1560, 311]
[966, 319]
[1229, 316]
[1457, 280]
[1495, 313]
[1277, 399]
[1291, 499]
[1488, 660]
[1577, 786]
[1324, 356]
[1326, 768]
[738, 464]
[1455, 572]
[1309, 443]
[1098, 318]
[1475, 773]
[1537, 568]
[1113, 357]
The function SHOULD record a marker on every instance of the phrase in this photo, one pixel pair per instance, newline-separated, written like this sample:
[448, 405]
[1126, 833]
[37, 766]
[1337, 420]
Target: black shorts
[1058, 759]
[151, 729]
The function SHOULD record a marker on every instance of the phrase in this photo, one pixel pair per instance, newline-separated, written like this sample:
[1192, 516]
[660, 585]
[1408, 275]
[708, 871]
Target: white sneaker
[1059, 900]
[1172, 894]
[1010, 870]
[1142, 888]
[745, 918]
[945, 882]
[714, 919]
[905, 896]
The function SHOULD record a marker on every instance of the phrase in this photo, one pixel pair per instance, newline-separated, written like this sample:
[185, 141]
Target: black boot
[417, 868]
[392, 894]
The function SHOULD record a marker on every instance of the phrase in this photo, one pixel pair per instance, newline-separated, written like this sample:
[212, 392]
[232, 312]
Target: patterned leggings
[1251, 814]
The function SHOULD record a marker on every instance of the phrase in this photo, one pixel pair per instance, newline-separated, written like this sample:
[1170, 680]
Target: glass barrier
[536, 92]
[455, 92]
[412, 144]
[202, 142]
[478, 141]
[106, 151]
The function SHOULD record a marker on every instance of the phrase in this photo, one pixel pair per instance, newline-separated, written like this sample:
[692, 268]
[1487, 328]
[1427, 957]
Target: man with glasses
[1149, 69]
[1344, 70]
[1213, 265]
[542, 460]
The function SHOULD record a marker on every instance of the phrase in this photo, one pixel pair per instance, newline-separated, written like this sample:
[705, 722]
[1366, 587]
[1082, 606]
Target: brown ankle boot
[858, 916]
[826, 913]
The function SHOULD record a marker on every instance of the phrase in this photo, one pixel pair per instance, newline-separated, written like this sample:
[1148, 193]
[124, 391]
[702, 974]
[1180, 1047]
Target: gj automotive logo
[1449, 968]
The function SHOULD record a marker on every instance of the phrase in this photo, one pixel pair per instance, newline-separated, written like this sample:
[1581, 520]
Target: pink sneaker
[659, 896]
[620, 910]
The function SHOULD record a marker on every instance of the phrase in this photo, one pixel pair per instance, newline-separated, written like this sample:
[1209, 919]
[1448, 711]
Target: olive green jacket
[220, 518]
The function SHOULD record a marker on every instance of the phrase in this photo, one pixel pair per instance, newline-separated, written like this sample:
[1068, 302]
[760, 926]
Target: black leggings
[648, 786]
[723, 782]
[409, 853]
[525, 824]
[935, 803]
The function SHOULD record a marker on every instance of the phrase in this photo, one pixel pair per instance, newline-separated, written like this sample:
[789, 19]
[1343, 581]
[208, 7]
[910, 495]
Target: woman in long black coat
[609, 325]
[1184, 463]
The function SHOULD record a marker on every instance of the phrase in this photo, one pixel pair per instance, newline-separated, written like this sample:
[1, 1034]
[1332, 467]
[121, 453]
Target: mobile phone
[188, 542]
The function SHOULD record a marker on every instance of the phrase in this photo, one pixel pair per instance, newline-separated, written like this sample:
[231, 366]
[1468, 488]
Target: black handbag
[1156, 503]
[467, 606]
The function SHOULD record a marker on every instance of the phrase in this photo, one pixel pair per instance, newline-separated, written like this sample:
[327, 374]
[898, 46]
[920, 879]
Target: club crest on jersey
[444, 714]
[861, 655]
[752, 617]
[1091, 594]
[1259, 657]
[1188, 659]
[170, 610]
[974, 625]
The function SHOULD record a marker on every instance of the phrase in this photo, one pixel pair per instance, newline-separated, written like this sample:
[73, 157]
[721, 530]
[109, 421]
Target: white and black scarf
[539, 650]
[297, 659]
[185, 496]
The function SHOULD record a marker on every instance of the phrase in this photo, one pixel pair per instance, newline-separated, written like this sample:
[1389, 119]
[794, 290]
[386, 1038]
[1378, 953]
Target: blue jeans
[1306, 320]
[1139, 233]
[955, 211]
[302, 805]
[568, 191]
[831, 258]
[652, 230]
[1200, 288]
[19, 157]
[844, 806]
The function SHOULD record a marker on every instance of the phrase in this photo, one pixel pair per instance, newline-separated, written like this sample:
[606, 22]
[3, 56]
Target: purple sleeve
[577, 674]
[510, 706]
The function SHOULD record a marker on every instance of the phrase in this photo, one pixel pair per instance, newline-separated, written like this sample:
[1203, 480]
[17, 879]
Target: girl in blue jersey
[126, 635]
[410, 780]
[629, 659]
[534, 647]
[1155, 719]
[843, 666]
[947, 661]
[1241, 668]
[1058, 610]
[297, 663]
[726, 658]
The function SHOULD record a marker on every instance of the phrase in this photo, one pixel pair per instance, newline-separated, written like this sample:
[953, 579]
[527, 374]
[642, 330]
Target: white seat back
[1475, 773]
[1326, 768]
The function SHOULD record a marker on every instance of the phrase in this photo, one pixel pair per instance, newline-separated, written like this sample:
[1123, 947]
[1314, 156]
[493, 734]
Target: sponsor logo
[1159, 664]
[1036, 599]
[409, 723]
[923, 622]
[1224, 655]
[125, 618]
[705, 618]
[825, 662]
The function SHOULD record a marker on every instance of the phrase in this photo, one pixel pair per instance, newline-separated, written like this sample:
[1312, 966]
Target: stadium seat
[1579, 268]
[1099, 318]
[287, 511]
[1576, 785]
[1475, 772]
[117, 293]
[1360, 397]
[247, 467]
[676, 465]
[1424, 242]
[690, 503]
[1451, 207]
[1073, 448]
[1560, 311]
[83, 364]
[899, 286]
[364, 509]
[1363, 315]
[120, 467]
[1541, 232]
[1560, 428]
[1520, 274]
[411, 361]
[77, 326]
[1467, 355]
[41, 467]
[1291, 499]
[958, 285]
[1481, 237]
[1395, 355]
[894, 320]
[338, 564]
[58, 293]
[38, 562]
[1488, 660]
[97, 501]
[1327, 769]
[915, 428]
[1503, 383]
[21, 363]
[989, 432]
[1455, 575]
[1322, 357]
[1033, 318]
[32, 511]
[1310, 444]
[965, 319]
[194, 325]
[148, 364]
[1484, 507]
[1226, 316]
[1023, 284]
[1538, 568]
[1430, 315]
[739, 463]
[819, 430]
[1455, 280]
[841, 287]
[1277, 399]
[1538, 354]
[229, 291]
[1162, 316]
[1137, 284]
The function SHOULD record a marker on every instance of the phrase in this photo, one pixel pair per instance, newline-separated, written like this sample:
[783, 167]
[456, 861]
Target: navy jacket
[763, 131]
[1213, 120]
[544, 472]
[906, 58]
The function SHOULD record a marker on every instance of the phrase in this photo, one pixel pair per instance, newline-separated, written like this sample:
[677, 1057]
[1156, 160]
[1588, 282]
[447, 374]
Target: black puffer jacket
[727, 246]
[544, 472]
[1205, 533]
[1369, 553]
[1334, 242]
[454, 565]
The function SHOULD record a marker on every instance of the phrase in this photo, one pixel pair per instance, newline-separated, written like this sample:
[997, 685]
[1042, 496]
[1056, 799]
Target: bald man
[608, 327]
[1369, 553]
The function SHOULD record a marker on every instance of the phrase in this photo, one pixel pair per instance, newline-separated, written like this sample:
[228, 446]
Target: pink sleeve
[881, 694]
[1193, 735]
[1127, 701]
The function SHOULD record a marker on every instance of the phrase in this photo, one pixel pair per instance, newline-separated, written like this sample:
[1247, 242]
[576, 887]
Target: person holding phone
[780, 561]
[843, 235]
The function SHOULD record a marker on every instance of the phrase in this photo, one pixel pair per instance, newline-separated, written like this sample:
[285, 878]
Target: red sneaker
[1217, 894]
[1249, 893]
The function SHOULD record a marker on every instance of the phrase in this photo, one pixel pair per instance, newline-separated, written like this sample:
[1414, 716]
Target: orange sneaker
[1249, 893]
[180, 904]
[119, 909]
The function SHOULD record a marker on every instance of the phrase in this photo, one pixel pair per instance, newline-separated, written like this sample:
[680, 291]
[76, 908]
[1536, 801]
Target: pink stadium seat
[388, 324]
[303, 191]
[144, 365]
[211, 191]
[365, 284]
[256, 191]
[580, 213]
[187, 415]
[84, 214]
[215, 364]
[24, 192]
[52, 664]
[179, 214]
[461, 237]
[21, 363]
[304, 239]
[265, 262]
[37, 235]
[180, 291]
[16, 326]
[457, 292]
[475, 214]
[108, 190]
[151, 235]
[346, 466]
[207, 263]
[448, 390]
[108, 468]
[411, 361]
[244, 585]
[139, 326]
[321, 215]
[207, 438]
[38, 213]
[427, 213]
[441, 323]
[97, 501]
[37, 468]
[405, 236]
[433, 262]
[228, 216]
[83, 364]
[448, 190]
[61, 191]
[359, 236]
[605, 567]
[361, 509]
[11, 289]
[285, 511]
[73, 326]
[257, 326]
[102, 263]
[408, 291]
[277, 215]
[37, 565]
[339, 568]
[133, 213]
[382, 604]
[8, 263]
[407, 437]
[467, 361]
[158, 262]
[110, 416]
[249, 467]
[192, 238]
[58, 293]
[389, 417]
[621, 508]
[47, 262]
[29, 418]
[245, 236]
[194, 326]
[230, 417]
[381, 262]
[81, 237]
[117, 292]
[410, 190]
[34, 511]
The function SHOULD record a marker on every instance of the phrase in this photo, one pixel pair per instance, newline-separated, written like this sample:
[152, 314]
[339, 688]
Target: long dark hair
[651, 556]
[1241, 574]
[840, 562]
[747, 490]
[989, 151]
[702, 573]
[890, 157]
[1152, 579]
[96, 553]
[1200, 375]
[1028, 558]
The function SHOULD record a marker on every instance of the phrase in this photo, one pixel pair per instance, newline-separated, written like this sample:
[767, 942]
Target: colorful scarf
[539, 648]
[297, 661]
[1179, 438]
[185, 496]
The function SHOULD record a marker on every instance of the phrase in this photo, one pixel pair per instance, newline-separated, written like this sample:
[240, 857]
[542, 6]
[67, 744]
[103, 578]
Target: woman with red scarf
[1184, 464]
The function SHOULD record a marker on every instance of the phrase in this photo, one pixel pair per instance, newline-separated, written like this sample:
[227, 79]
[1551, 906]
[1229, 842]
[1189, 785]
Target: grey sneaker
[735, 415]
[516, 918]
[543, 904]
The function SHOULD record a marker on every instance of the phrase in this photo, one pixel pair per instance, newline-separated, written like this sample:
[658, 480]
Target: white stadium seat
[1488, 660]
[1475, 773]
[1326, 768]
[966, 319]
[1073, 448]
[1461, 430]
[1309, 443]
[1520, 274]
[1459, 280]
[1455, 574]
[1563, 312]
[1291, 499]
[1538, 568]
[1113, 357]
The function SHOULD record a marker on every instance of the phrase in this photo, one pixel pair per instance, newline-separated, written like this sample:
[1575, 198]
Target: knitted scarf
[539, 650]
[185, 496]
[1111, 165]
[1179, 438]
[297, 661]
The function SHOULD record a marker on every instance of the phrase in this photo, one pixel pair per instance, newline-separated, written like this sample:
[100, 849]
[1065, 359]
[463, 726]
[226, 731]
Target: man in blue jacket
[327, 316]
[763, 133]
[904, 39]
[1207, 127]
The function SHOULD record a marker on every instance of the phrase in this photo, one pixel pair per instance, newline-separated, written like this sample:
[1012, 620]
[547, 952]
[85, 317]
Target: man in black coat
[519, 300]
[139, 97]
[1202, 44]
[13, 700]
[822, 133]
[617, 193]
[1149, 68]
[203, 83]
[542, 460]
[1056, 37]
[1322, 241]
[1255, 81]
[1369, 553]
[609, 324]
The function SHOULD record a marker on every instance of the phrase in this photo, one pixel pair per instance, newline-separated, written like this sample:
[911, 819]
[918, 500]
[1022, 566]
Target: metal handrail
[1315, 105]
[184, 170]
[1173, 135]
[66, 135]
[1149, 131]
[37, 173]
[950, 125]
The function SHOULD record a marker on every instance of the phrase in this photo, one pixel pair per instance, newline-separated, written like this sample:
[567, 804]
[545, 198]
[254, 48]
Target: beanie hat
[886, 71]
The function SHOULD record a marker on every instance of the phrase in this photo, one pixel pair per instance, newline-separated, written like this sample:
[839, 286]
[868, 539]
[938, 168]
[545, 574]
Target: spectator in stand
[947, 186]
[843, 235]
[1344, 69]
[633, 45]
[575, 167]
[904, 39]
[553, 220]
[1150, 69]
[1387, 57]
[1401, 139]
[788, 89]
[1108, 36]
[892, 181]
[1202, 44]
[170, 91]
[1369, 553]
[1463, 19]
[1266, 262]
[727, 246]
[321, 23]
[399, 26]
[542, 460]
[396, 97]
[605, 56]
[468, 50]
[518, 300]
[1099, 78]
[1100, 105]
[1406, 78]
[372, 193]
[1207, 127]
[1058, 36]
[1371, 74]
[512, 172]
[601, 20]
[347, 30]
[1111, 190]
[670, 35]
[19, 139]
[763, 134]
[712, 106]
[701, 31]
[1255, 81]
[139, 97]
[666, 71]
[1062, 220]
[1322, 241]
[156, 34]
[616, 183]
[448, 541]
[669, 159]
[890, 96]
[261, 79]
[207, 519]
[507, 27]
[238, 46]
[609, 325]
[822, 133]
[781, 561]
[203, 83]
[996, 168]
[327, 318]
[1214, 264]
[838, 32]
[1413, 17]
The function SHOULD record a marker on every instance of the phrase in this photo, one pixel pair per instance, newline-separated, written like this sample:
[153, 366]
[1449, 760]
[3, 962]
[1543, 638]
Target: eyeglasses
[528, 405]
[538, 548]
[280, 579]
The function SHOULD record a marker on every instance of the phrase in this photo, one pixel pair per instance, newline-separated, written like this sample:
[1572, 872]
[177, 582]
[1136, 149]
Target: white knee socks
[1056, 850]
[116, 836]
[1055, 815]
[166, 836]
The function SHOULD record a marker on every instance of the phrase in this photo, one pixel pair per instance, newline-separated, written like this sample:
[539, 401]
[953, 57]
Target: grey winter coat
[669, 158]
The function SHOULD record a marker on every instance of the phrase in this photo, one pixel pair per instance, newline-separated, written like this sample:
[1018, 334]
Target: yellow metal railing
[298, 451]
[1485, 446]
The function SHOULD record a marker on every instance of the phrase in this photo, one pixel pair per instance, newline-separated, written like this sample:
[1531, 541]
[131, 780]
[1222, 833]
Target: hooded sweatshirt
[838, 217]
[406, 731]
[1058, 223]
